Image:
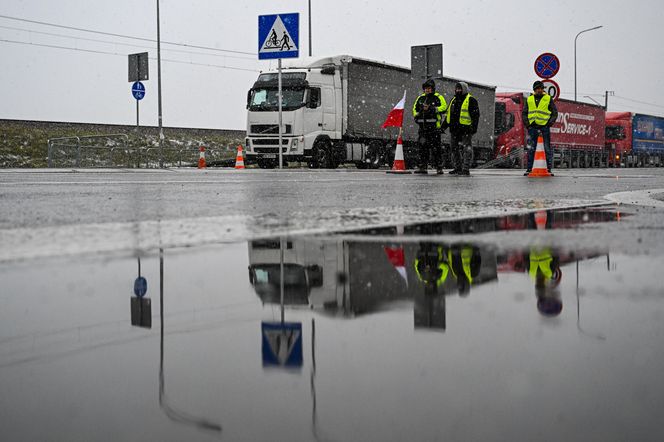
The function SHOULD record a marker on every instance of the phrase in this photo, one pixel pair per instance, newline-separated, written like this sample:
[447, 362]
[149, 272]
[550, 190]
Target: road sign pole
[137, 113]
[281, 155]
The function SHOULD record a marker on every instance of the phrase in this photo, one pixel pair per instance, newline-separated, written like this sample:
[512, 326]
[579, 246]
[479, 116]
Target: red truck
[577, 136]
[635, 140]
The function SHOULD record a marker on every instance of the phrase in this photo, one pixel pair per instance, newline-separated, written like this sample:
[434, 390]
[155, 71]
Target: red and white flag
[395, 117]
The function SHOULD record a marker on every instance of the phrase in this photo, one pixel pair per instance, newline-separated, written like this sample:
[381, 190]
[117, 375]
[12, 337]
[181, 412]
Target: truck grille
[262, 129]
[269, 149]
[268, 141]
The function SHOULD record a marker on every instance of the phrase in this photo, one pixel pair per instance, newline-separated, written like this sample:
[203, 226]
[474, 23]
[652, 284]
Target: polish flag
[395, 117]
[396, 256]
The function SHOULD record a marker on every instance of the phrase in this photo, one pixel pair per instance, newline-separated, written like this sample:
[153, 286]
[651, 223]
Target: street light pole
[575, 38]
[161, 129]
[309, 28]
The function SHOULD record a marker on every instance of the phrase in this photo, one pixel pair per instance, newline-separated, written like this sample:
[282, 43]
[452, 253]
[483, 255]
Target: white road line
[637, 197]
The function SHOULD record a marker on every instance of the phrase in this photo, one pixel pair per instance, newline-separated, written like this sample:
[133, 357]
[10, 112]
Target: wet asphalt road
[412, 308]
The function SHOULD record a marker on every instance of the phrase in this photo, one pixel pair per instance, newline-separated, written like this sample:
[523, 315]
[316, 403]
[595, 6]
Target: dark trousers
[461, 146]
[533, 133]
[430, 149]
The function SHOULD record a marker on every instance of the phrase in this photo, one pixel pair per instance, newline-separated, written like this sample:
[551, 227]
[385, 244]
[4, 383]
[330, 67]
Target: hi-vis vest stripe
[540, 259]
[539, 114]
[464, 115]
[439, 111]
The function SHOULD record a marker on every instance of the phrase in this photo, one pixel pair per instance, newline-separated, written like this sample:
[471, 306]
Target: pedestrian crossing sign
[278, 36]
[282, 343]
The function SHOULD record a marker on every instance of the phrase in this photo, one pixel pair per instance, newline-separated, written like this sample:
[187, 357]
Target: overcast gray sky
[490, 42]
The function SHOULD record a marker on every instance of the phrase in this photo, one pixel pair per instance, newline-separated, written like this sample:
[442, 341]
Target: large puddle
[398, 333]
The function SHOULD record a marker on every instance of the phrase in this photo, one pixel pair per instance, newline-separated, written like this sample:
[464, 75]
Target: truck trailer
[577, 136]
[635, 140]
[333, 109]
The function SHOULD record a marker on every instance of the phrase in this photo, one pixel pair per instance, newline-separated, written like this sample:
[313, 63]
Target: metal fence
[113, 150]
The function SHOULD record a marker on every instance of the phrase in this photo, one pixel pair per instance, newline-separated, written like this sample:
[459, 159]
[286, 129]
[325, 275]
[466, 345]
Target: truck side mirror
[248, 98]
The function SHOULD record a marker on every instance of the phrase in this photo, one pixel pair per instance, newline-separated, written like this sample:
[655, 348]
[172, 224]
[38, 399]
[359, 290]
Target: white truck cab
[311, 116]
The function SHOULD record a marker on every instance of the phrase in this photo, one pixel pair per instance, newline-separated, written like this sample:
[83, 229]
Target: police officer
[538, 115]
[428, 111]
[463, 116]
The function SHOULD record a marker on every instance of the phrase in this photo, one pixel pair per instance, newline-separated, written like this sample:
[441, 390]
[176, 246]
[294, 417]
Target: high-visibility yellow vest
[439, 111]
[540, 259]
[466, 257]
[464, 115]
[539, 114]
[442, 266]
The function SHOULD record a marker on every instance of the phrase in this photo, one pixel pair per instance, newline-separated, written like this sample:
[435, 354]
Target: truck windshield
[615, 133]
[266, 99]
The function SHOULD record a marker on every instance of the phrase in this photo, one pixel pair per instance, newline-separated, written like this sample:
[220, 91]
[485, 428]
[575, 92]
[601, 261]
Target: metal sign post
[278, 37]
[138, 71]
[138, 91]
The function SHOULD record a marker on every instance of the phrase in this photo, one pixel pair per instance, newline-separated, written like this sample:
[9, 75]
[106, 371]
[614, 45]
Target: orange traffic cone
[239, 159]
[540, 219]
[399, 165]
[201, 158]
[539, 165]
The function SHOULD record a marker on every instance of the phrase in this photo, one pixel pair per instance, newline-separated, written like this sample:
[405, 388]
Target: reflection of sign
[278, 36]
[141, 312]
[282, 343]
[140, 286]
[547, 65]
[552, 88]
[138, 90]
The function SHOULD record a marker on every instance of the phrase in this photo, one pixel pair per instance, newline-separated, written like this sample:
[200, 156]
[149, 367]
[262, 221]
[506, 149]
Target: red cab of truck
[618, 135]
[577, 135]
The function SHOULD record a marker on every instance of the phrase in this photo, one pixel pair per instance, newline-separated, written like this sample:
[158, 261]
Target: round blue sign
[547, 65]
[140, 286]
[138, 90]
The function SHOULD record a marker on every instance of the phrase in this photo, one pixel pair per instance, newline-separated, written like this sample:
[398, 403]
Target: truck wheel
[264, 163]
[321, 156]
[375, 156]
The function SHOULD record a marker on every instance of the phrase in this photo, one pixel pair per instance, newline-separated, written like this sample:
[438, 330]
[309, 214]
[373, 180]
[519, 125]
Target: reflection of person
[543, 266]
[463, 116]
[538, 115]
[431, 267]
[428, 111]
[465, 262]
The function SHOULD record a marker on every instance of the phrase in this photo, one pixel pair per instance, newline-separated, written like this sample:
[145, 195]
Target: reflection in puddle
[410, 335]
[347, 277]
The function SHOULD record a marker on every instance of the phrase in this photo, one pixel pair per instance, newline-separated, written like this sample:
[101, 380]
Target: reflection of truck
[333, 109]
[577, 136]
[635, 139]
[346, 277]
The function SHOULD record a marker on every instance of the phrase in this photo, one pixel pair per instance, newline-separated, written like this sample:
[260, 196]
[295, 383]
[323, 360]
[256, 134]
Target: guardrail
[98, 151]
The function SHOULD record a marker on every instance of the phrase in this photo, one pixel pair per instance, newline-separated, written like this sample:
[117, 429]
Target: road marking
[637, 197]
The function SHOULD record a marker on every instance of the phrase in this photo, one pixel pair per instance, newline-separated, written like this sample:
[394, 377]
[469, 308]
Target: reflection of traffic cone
[239, 159]
[201, 158]
[540, 219]
[539, 166]
[399, 165]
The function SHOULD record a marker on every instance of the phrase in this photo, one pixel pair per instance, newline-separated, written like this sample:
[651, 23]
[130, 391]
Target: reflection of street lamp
[597, 336]
[171, 412]
[577, 36]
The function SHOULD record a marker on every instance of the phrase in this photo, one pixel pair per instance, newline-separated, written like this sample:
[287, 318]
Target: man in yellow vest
[463, 115]
[538, 115]
[428, 111]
